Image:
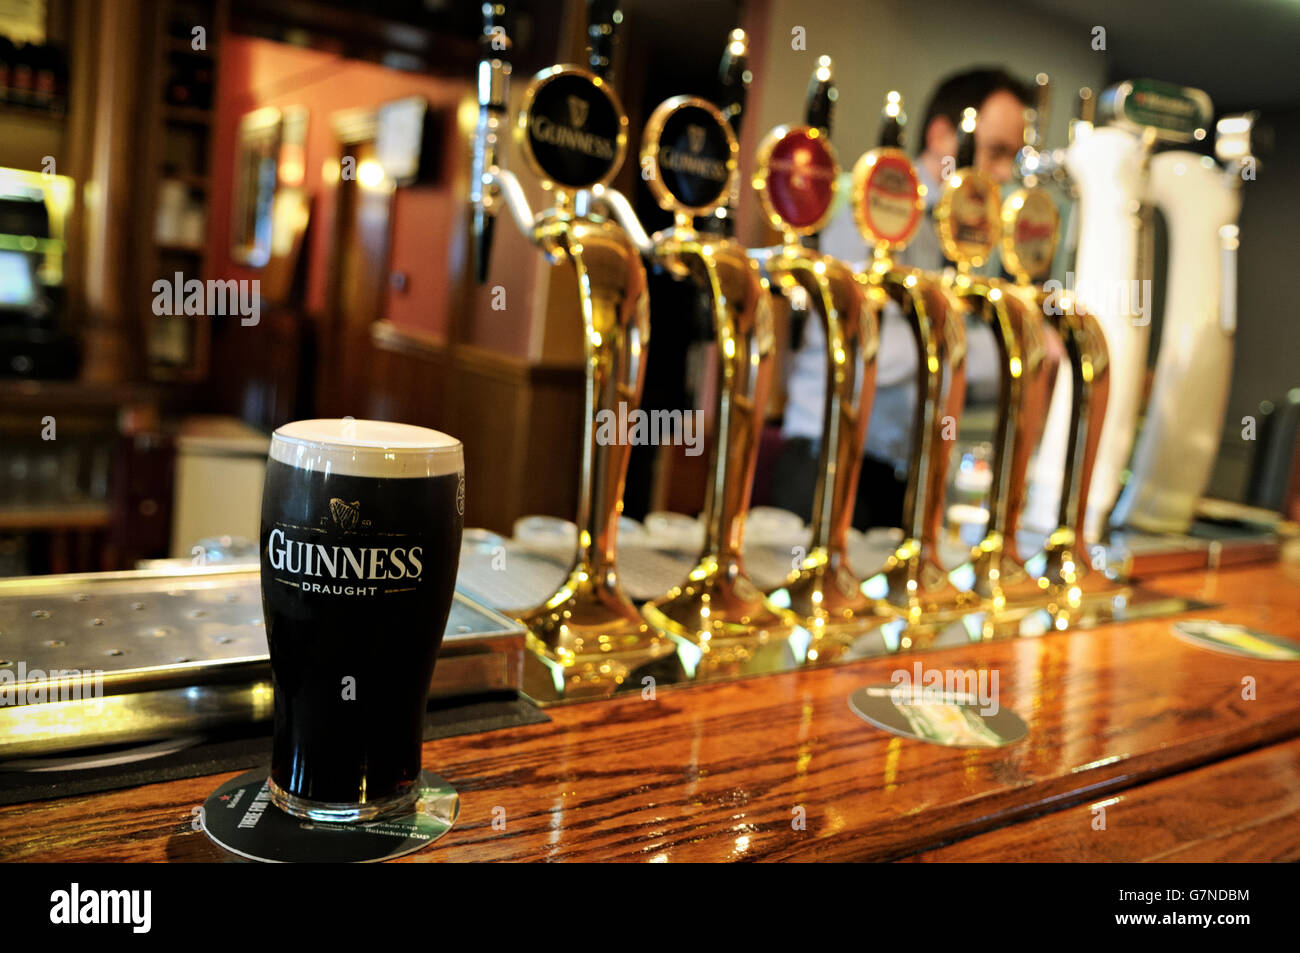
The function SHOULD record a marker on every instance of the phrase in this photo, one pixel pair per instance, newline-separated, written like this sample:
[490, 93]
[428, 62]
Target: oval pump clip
[796, 179]
[588, 636]
[889, 206]
[968, 221]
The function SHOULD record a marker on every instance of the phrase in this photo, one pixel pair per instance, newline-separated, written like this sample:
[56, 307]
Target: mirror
[269, 177]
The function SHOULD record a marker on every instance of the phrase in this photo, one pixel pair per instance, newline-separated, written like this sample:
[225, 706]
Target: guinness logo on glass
[798, 176]
[572, 128]
[968, 217]
[888, 198]
[1030, 229]
[690, 155]
[345, 515]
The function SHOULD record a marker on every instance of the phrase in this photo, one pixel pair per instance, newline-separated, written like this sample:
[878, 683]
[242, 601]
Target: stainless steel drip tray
[130, 657]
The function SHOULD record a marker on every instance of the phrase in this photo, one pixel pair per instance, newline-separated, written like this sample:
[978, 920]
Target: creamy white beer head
[367, 448]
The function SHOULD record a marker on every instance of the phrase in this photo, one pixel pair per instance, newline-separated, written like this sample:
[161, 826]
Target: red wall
[426, 220]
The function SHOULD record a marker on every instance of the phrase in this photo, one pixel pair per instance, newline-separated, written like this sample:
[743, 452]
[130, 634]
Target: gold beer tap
[797, 179]
[889, 205]
[1030, 235]
[573, 133]
[968, 219]
[689, 160]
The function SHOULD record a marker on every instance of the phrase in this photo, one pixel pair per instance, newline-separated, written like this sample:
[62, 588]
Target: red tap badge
[797, 178]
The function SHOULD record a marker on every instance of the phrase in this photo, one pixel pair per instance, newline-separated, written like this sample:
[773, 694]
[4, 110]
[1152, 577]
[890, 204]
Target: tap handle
[893, 122]
[966, 139]
[493, 94]
[1036, 115]
[493, 44]
[603, 18]
[819, 105]
[819, 111]
[733, 79]
[733, 89]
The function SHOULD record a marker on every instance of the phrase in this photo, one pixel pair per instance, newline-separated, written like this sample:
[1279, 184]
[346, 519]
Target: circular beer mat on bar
[1231, 639]
[940, 717]
[240, 817]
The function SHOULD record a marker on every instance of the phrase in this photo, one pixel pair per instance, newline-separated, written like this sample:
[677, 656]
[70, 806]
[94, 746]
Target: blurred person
[1001, 100]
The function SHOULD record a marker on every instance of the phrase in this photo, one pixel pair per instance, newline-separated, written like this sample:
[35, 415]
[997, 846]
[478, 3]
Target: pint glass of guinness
[360, 539]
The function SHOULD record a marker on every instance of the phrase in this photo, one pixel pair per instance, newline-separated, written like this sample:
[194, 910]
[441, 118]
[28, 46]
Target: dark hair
[970, 89]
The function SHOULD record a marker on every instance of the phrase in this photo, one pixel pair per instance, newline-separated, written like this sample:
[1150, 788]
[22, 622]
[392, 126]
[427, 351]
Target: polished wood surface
[726, 771]
[1246, 808]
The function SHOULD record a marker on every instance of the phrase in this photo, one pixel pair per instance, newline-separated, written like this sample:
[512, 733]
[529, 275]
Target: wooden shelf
[55, 516]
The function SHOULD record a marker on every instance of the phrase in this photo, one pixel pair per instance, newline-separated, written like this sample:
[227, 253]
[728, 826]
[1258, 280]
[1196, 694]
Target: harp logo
[578, 109]
[344, 514]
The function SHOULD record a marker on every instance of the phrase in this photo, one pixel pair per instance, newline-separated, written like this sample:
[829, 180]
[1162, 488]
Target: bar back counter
[1139, 746]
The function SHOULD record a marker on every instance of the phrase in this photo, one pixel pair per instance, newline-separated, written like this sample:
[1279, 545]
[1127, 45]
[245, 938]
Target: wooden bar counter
[1124, 717]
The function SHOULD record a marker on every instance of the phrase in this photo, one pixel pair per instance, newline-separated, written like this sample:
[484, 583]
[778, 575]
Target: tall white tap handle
[1180, 438]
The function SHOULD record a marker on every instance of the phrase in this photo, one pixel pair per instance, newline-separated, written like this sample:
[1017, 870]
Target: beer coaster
[239, 817]
[1233, 639]
[952, 719]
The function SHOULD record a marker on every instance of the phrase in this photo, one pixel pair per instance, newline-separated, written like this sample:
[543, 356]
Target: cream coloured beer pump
[1118, 181]
[1179, 441]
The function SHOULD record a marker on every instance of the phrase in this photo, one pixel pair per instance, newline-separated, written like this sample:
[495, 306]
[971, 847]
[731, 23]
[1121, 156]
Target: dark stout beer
[360, 539]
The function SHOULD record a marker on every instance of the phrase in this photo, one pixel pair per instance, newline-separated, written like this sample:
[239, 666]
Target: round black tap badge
[572, 128]
[689, 156]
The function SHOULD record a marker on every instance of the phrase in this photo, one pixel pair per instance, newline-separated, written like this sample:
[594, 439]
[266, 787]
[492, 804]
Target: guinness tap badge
[690, 152]
[572, 129]
[1030, 230]
[798, 175]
